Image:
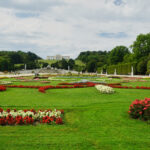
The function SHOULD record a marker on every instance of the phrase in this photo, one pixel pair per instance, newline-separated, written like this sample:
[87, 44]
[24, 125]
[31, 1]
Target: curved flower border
[43, 89]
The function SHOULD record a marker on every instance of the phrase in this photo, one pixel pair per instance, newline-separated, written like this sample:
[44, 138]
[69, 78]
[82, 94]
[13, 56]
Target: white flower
[104, 89]
[38, 115]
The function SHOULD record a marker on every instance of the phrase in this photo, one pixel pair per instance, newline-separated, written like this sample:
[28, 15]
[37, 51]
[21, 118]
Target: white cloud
[68, 27]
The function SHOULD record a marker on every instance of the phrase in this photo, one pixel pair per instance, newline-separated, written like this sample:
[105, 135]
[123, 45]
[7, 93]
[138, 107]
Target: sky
[68, 27]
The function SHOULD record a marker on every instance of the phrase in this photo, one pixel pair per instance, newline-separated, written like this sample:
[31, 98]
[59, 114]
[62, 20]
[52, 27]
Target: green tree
[44, 64]
[5, 64]
[91, 66]
[148, 67]
[64, 64]
[141, 47]
[15, 58]
[117, 54]
[142, 67]
[71, 63]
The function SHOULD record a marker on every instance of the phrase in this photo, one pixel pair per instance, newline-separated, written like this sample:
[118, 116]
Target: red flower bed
[65, 85]
[128, 87]
[24, 117]
[140, 109]
[73, 85]
[23, 86]
[2, 88]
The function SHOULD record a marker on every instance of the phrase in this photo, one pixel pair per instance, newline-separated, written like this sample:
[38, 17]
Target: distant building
[58, 57]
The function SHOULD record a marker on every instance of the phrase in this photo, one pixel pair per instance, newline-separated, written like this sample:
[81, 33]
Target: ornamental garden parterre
[77, 113]
[139, 109]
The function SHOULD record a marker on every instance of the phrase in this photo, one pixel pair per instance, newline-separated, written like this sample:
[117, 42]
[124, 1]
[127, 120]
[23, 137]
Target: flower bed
[24, 117]
[140, 109]
[23, 86]
[74, 85]
[2, 88]
[104, 89]
[61, 85]
[128, 87]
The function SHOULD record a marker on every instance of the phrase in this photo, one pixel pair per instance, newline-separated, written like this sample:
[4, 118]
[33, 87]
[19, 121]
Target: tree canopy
[141, 47]
[117, 55]
[9, 59]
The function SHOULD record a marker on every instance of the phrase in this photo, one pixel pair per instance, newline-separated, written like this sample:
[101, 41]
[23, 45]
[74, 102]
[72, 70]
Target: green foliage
[117, 55]
[141, 47]
[44, 64]
[62, 64]
[79, 66]
[5, 64]
[99, 56]
[123, 69]
[9, 59]
[142, 67]
[120, 58]
[91, 66]
[71, 63]
[148, 67]
[91, 57]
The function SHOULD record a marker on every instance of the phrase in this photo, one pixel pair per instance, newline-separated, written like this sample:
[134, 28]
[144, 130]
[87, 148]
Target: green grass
[91, 121]
[77, 62]
[47, 61]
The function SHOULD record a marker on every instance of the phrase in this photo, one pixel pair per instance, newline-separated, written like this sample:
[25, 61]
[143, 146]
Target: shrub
[140, 109]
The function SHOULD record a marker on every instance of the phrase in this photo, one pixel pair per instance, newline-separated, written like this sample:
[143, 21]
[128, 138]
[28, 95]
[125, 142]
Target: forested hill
[8, 59]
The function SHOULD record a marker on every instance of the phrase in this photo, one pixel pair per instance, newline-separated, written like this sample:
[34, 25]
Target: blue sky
[67, 27]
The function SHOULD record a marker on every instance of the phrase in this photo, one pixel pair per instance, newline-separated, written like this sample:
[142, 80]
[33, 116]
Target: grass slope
[92, 120]
[77, 62]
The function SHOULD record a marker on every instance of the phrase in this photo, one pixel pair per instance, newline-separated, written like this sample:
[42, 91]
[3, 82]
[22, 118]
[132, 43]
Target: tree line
[120, 58]
[16, 60]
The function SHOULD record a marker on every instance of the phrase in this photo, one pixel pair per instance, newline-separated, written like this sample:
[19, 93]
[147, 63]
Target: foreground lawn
[91, 121]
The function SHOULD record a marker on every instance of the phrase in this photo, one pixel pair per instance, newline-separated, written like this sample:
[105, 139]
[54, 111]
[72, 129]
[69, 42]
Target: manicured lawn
[91, 121]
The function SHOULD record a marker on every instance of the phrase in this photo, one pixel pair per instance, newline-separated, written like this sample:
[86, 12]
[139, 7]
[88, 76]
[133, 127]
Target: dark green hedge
[122, 69]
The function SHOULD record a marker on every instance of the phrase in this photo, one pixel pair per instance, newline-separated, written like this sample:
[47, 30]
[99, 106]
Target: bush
[140, 109]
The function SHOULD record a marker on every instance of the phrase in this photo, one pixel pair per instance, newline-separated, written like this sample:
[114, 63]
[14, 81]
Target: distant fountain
[25, 67]
[106, 73]
[132, 72]
[115, 72]
[68, 68]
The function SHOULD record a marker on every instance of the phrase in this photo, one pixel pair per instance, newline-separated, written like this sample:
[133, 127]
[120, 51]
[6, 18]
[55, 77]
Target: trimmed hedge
[122, 69]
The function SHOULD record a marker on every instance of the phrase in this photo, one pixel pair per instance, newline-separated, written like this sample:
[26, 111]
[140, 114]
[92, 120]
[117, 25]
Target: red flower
[8, 110]
[2, 88]
[62, 111]
[59, 121]
[1, 110]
